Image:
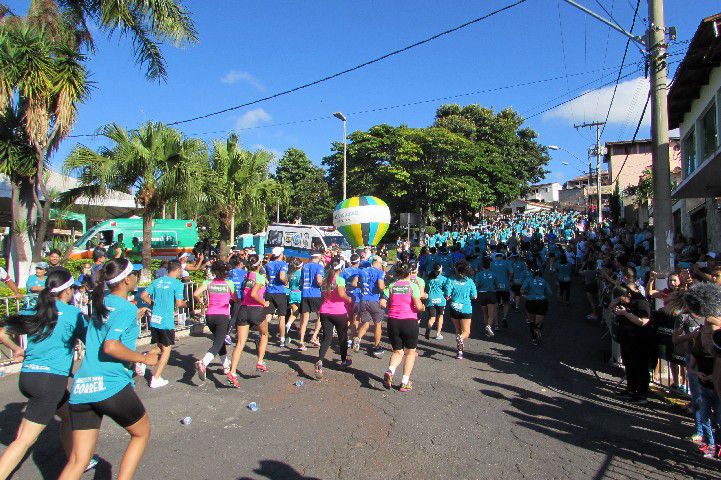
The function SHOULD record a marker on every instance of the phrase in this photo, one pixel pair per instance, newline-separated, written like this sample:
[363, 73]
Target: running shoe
[158, 382]
[708, 451]
[92, 463]
[388, 379]
[288, 341]
[439, 337]
[318, 370]
[200, 370]
[407, 387]
[349, 343]
[261, 367]
[489, 331]
[346, 363]
[228, 340]
[302, 347]
[356, 344]
[315, 343]
[233, 380]
[459, 355]
[378, 352]
[281, 342]
[696, 439]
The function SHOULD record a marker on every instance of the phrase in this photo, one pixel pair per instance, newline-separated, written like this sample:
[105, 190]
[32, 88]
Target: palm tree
[156, 163]
[238, 184]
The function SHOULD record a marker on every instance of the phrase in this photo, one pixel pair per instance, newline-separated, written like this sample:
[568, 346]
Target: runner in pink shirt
[403, 298]
[333, 313]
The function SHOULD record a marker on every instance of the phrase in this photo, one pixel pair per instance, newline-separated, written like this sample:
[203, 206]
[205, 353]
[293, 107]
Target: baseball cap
[277, 251]
[42, 265]
[184, 255]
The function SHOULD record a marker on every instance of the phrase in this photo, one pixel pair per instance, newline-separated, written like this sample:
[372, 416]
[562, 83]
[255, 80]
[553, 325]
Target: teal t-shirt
[564, 272]
[485, 281]
[34, 281]
[164, 291]
[295, 287]
[437, 291]
[536, 288]
[501, 269]
[54, 353]
[101, 376]
[462, 293]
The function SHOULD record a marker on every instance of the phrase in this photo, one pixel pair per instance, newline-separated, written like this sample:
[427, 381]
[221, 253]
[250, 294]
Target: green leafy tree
[306, 191]
[155, 163]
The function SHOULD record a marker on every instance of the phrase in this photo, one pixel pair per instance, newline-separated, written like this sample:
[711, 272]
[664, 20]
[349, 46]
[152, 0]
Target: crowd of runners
[518, 262]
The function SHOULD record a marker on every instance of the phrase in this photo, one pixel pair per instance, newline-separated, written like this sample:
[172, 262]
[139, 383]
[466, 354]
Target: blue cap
[42, 265]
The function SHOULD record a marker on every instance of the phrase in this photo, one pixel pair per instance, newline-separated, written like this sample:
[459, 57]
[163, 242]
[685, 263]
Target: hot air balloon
[362, 220]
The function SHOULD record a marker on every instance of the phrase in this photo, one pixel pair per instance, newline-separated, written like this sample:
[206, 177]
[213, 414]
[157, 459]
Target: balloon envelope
[362, 220]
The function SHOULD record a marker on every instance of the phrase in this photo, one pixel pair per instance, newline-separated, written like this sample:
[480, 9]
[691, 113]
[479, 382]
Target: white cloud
[252, 119]
[627, 105]
[235, 76]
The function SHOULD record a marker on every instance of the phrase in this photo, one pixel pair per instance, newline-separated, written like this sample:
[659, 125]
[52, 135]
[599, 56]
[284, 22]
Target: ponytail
[111, 271]
[42, 323]
[332, 271]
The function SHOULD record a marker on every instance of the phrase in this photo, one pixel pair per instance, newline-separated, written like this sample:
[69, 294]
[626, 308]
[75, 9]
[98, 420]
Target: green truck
[169, 237]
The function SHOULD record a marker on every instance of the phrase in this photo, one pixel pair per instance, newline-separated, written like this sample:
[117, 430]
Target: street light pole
[343, 119]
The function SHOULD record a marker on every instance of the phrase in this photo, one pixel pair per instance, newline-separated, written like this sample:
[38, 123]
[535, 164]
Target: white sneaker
[489, 331]
[158, 382]
[439, 337]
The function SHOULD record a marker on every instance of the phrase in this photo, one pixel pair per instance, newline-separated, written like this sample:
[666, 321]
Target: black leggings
[327, 322]
[218, 325]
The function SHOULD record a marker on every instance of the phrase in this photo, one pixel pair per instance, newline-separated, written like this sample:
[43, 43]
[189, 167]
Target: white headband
[119, 277]
[62, 287]
[256, 263]
[339, 266]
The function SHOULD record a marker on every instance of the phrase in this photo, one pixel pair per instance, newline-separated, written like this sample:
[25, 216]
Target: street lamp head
[553, 147]
[564, 163]
[339, 116]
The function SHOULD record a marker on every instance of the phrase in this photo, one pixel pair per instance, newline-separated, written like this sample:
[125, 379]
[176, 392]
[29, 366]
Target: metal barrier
[185, 317]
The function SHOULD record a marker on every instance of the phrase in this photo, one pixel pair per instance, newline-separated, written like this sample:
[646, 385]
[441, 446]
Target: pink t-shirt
[220, 293]
[333, 304]
[250, 281]
[400, 300]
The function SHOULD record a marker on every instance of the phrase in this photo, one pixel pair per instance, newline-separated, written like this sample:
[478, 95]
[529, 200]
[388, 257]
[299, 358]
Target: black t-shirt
[639, 307]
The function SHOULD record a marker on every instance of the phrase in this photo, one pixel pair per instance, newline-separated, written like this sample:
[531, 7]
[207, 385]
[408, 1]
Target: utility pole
[598, 152]
[656, 41]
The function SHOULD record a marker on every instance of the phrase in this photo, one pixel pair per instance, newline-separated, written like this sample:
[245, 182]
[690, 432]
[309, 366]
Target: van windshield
[338, 240]
[84, 239]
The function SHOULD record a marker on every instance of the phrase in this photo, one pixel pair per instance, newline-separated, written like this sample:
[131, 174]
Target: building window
[709, 135]
[645, 148]
[688, 149]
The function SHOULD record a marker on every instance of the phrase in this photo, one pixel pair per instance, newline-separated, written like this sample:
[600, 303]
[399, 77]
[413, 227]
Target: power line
[635, 134]
[352, 69]
[623, 60]
[563, 45]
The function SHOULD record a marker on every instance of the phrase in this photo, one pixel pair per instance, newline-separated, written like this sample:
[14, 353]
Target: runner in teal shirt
[436, 301]
[461, 292]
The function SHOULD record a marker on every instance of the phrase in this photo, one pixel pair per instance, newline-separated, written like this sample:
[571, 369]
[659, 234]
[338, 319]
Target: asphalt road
[508, 410]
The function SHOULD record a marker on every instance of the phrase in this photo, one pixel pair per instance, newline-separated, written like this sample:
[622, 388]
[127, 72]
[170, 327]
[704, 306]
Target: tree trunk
[20, 252]
[147, 240]
[226, 229]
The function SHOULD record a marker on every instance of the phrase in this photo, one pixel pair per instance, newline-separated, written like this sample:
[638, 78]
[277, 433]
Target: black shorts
[537, 307]
[516, 289]
[456, 315]
[487, 298]
[402, 333]
[503, 296]
[125, 408]
[46, 393]
[310, 305]
[162, 336]
[435, 310]
[278, 303]
[252, 316]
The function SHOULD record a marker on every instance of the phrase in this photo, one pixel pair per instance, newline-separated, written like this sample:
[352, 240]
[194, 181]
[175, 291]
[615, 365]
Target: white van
[299, 241]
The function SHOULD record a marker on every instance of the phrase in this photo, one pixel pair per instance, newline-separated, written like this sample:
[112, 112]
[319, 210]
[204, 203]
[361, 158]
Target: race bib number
[156, 319]
[436, 301]
[457, 306]
[502, 286]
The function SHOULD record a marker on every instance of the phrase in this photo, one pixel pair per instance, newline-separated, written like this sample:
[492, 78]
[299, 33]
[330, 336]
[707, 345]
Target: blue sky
[251, 49]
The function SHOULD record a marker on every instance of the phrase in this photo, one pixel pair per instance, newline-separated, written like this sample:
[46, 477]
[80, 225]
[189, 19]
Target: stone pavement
[509, 410]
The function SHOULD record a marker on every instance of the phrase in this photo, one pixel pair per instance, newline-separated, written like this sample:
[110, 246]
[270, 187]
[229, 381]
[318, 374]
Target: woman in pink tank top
[220, 292]
[251, 313]
[403, 298]
[333, 314]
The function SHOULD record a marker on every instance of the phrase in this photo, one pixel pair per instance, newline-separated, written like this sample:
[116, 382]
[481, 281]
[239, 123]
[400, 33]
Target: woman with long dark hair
[436, 303]
[221, 293]
[537, 292]
[462, 293]
[333, 313]
[251, 313]
[104, 385]
[52, 332]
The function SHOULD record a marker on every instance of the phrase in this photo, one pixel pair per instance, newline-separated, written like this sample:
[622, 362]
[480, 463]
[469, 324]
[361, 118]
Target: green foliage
[307, 197]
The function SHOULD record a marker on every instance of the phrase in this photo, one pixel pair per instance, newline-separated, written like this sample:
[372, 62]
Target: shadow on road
[276, 470]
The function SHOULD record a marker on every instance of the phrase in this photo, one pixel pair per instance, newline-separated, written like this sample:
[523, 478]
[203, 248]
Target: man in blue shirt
[311, 279]
[501, 269]
[277, 272]
[372, 284]
[164, 294]
[351, 275]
